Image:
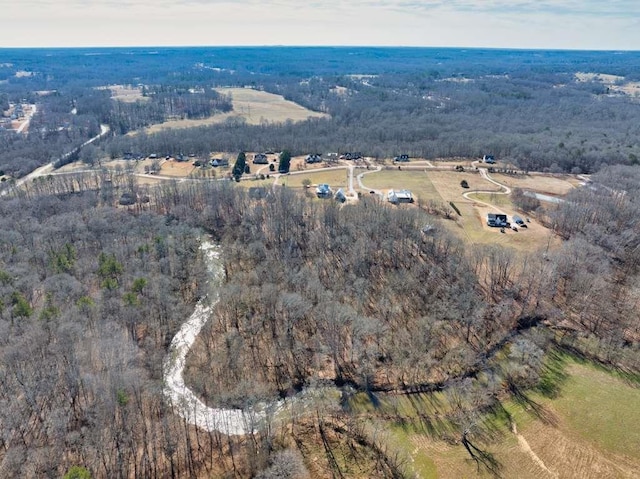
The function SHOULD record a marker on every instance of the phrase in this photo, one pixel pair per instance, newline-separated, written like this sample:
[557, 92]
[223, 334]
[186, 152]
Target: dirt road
[485, 175]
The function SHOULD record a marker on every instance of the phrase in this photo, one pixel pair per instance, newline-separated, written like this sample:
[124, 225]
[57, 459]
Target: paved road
[48, 168]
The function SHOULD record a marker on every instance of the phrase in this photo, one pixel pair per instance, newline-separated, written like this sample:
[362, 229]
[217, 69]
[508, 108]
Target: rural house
[497, 220]
[399, 196]
[323, 191]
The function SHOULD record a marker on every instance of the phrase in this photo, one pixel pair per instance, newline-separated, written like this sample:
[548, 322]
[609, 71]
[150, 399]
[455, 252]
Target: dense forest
[315, 294]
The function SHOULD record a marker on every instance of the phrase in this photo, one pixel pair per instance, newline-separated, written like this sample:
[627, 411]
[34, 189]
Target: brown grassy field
[444, 186]
[253, 106]
[125, 93]
[430, 163]
[449, 163]
[251, 181]
[298, 163]
[335, 178]
[613, 82]
[75, 166]
[558, 185]
[178, 169]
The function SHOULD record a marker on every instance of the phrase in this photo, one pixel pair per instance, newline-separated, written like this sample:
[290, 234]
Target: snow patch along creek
[182, 399]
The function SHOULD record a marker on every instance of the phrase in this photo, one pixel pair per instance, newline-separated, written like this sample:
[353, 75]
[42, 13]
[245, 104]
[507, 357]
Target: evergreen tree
[239, 166]
[285, 162]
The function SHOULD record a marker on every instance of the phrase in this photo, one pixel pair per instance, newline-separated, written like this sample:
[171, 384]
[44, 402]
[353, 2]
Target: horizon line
[425, 47]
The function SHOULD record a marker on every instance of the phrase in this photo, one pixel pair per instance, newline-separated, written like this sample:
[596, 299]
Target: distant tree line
[531, 123]
[526, 108]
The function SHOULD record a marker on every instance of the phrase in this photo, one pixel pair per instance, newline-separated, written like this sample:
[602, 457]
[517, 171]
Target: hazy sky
[582, 24]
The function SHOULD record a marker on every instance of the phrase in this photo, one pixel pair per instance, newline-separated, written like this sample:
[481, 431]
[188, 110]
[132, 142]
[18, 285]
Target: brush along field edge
[234, 422]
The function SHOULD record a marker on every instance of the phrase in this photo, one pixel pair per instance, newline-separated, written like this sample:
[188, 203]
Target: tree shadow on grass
[485, 461]
[532, 407]
[553, 375]
[630, 376]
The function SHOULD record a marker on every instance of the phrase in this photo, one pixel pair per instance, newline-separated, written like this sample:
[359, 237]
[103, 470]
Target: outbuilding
[260, 159]
[399, 196]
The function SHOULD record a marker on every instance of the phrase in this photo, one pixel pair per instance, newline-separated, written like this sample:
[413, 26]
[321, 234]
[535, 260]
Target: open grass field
[252, 181]
[417, 181]
[178, 169]
[551, 185]
[444, 186]
[256, 106]
[253, 106]
[76, 166]
[334, 178]
[125, 93]
[496, 199]
[449, 163]
[600, 408]
[586, 431]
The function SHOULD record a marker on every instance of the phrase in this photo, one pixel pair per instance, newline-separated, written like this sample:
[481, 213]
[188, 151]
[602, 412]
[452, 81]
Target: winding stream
[182, 399]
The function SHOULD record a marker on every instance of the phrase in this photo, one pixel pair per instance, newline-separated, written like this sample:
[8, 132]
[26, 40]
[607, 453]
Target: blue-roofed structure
[323, 191]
